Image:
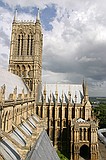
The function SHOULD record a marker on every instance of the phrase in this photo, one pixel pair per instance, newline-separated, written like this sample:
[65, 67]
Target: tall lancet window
[28, 45]
[18, 45]
[80, 136]
[31, 46]
[21, 44]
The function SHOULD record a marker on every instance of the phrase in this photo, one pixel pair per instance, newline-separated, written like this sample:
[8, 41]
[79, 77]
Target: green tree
[100, 113]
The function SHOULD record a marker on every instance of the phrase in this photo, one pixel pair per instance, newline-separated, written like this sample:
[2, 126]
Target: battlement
[25, 22]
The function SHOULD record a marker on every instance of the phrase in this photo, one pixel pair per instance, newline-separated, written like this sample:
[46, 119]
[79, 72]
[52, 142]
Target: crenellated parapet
[25, 22]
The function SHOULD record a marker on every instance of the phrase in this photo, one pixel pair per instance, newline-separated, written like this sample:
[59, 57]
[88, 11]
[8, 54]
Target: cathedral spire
[15, 15]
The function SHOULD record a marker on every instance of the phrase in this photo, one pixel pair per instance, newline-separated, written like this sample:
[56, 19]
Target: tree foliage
[61, 156]
[100, 113]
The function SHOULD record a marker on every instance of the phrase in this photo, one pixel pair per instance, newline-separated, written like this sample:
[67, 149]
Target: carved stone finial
[23, 94]
[2, 93]
[69, 96]
[23, 91]
[15, 90]
[3, 89]
[44, 94]
[62, 96]
[50, 96]
[44, 91]
[14, 95]
[75, 97]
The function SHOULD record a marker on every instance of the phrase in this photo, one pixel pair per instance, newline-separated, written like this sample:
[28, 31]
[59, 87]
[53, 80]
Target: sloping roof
[8, 151]
[11, 81]
[75, 89]
[43, 150]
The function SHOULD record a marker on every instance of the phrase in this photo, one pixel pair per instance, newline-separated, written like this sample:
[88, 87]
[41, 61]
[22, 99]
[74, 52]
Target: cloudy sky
[74, 39]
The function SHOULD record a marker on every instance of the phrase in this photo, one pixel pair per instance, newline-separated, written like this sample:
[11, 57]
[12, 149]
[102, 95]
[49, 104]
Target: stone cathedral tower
[26, 52]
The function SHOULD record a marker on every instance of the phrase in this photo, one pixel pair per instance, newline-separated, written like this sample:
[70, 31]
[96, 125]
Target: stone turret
[38, 54]
[87, 104]
[62, 97]
[85, 91]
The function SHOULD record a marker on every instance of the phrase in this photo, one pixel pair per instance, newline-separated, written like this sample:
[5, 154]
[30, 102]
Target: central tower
[26, 52]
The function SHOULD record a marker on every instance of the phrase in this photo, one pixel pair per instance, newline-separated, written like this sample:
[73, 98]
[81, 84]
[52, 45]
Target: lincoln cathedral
[37, 119]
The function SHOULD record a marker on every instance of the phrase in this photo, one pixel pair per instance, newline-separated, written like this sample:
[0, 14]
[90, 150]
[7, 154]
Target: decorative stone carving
[2, 93]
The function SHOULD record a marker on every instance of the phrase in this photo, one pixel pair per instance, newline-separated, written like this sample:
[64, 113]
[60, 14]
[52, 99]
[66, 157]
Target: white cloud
[77, 46]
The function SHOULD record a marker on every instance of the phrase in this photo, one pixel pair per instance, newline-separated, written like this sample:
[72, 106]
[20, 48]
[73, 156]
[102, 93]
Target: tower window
[80, 133]
[31, 46]
[18, 44]
[28, 46]
[84, 134]
[22, 45]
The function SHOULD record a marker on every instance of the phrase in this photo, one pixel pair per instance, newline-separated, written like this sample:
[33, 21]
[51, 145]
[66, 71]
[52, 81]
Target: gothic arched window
[21, 44]
[80, 134]
[31, 46]
[84, 134]
[28, 45]
[18, 44]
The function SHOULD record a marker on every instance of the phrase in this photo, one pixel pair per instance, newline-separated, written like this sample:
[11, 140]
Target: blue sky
[74, 39]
